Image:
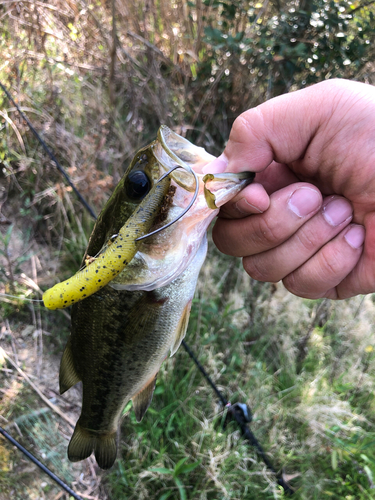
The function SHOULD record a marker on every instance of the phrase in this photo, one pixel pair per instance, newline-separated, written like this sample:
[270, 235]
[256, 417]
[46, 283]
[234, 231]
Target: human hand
[309, 219]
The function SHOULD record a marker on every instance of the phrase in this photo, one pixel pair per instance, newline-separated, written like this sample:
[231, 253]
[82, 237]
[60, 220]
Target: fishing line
[184, 211]
[45, 469]
[240, 417]
[19, 298]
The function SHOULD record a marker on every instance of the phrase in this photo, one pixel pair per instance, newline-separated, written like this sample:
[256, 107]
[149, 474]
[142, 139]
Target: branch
[53, 407]
[360, 7]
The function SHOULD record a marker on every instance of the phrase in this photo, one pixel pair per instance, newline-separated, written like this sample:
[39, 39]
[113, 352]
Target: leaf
[166, 495]
[193, 70]
[161, 470]
[181, 488]
[170, 426]
[6, 239]
[367, 459]
[369, 473]
[334, 459]
[122, 473]
[185, 468]
[178, 466]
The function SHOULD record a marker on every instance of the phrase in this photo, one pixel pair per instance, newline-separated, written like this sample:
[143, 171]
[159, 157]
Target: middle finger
[289, 209]
[275, 264]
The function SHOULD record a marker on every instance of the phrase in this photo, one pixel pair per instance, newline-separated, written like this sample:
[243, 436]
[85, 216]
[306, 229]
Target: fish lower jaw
[159, 273]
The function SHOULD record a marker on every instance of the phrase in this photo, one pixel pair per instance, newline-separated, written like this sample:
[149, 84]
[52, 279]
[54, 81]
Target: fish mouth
[181, 233]
[185, 162]
[220, 188]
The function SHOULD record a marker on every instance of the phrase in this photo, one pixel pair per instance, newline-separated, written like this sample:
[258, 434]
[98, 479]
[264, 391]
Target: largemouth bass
[132, 300]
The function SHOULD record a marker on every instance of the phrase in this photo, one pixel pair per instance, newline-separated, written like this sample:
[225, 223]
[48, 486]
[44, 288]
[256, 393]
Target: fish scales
[121, 334]
[111, 365]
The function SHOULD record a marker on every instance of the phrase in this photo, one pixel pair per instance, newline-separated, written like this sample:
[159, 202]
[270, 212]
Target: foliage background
[97, 79]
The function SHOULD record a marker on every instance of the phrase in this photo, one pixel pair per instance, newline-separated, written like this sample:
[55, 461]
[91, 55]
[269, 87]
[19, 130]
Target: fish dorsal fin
[68, 375]
[142, 400]
[181, 328]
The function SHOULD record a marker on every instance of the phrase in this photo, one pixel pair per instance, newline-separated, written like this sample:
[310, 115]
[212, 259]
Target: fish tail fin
[81, 445]
[84, 442]
[106, 450]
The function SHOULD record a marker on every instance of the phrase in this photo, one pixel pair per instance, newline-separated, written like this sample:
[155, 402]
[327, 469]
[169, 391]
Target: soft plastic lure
[113, 260]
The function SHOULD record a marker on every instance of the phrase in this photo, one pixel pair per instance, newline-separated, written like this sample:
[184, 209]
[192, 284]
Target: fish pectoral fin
[142, 400]
[181, 328]
[68, 375]
[84, 442]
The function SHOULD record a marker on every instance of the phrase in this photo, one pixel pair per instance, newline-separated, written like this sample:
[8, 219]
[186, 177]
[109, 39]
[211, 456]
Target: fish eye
[137, 185]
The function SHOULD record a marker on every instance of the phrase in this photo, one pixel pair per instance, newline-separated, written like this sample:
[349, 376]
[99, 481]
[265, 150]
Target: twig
[302, 348]
[35, 27]
[113, 51]
[53, 407]
[97, 24]
[155, 49]
[10, 333]
[39, 326]
[360, 6]
[19, 137]
[24, 418]
[207, 95]
[25, 280]
[131, 59]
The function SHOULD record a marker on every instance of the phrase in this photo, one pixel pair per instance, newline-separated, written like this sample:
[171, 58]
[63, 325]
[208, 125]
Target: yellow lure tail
[111, 262]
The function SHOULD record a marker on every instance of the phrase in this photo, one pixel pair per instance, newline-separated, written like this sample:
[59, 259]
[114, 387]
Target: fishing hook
[183, 212]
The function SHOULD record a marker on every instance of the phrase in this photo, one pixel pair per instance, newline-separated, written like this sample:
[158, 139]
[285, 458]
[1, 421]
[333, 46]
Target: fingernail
[337, 211]
[244, 207]
[355, 236]
[304, 201]
[216, 166]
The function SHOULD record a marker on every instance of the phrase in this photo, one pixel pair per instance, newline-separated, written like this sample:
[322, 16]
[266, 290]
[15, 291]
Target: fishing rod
[45, 469]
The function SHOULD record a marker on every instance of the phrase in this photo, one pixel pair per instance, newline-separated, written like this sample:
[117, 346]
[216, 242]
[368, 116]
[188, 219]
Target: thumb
[278, 130]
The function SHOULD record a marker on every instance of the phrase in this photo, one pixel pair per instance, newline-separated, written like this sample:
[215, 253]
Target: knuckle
[240, 126]
[220, 242]
[292, 285]
[316, 282]
[268, 233]
[250, 122]
[297, 287]
[330, 262]
[307, 239]
[254, 268]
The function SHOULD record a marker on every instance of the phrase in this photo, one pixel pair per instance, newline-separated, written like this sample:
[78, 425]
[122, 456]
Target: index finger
[280, 129]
